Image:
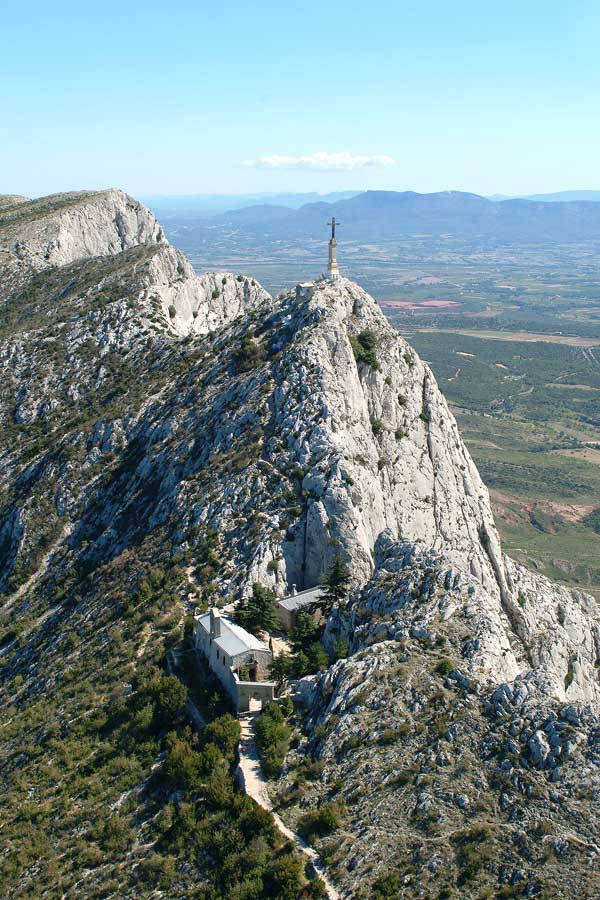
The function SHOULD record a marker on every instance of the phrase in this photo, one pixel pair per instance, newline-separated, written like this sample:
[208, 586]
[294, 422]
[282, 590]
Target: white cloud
[322, 161]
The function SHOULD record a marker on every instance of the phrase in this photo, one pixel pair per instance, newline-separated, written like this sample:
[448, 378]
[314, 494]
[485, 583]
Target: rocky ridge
[151, 413]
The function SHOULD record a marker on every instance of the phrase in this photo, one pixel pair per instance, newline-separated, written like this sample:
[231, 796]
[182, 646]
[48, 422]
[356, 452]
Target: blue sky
[238, 97]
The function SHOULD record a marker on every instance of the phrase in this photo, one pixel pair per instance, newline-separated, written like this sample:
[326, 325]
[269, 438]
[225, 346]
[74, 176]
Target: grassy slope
[29, 210]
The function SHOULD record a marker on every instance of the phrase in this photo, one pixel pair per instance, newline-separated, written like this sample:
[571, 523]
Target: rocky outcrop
[548, 647]
[63, 228]
[195, 305]
[8, 200]
[378, 442]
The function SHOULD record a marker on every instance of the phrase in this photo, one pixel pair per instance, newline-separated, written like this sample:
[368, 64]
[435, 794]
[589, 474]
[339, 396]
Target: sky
[240, 97]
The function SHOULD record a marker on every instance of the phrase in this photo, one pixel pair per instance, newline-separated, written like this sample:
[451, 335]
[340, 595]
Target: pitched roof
[303, 598]
[233, 639]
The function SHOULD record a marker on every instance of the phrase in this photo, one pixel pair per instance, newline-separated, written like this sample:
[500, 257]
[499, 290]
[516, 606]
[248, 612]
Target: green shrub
[444, 667]
[224, 733]
[249, 355]
[116, 835]
[172, 311]
[321, 822]
[184, 767]
[388, 736]
[387, 886]
[272, 735]
[339, 649]
[284, 878]
[169, 696]
[157, 871]
[364, 346]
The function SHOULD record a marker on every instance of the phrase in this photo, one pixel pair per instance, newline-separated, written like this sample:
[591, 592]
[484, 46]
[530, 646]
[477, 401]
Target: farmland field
[530, 413]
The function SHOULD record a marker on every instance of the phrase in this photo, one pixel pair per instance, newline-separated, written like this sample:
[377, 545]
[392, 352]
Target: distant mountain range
[202, 205]
[374, 214]
[558, 197]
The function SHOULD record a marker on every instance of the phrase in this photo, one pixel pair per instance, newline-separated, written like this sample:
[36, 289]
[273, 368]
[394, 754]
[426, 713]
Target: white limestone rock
[78, 226]
[194, 304]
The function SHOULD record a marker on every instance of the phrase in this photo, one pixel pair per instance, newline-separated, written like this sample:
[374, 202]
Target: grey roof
[233, 639]
[303, 598]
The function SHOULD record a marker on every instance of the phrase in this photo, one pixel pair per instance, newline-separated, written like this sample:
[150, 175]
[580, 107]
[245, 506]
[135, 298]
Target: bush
[157, 871]
[321, 822]
[387, 886]
[224, 733]
[364, 346]
[172, 311]
[339, 649]
[169, 696]
[116, 835]
[249, 355]
[184, 766]
[284, 878]
[272, 738]
[444, 667]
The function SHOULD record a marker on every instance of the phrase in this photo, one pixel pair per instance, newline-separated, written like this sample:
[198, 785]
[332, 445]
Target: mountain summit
[154, 417]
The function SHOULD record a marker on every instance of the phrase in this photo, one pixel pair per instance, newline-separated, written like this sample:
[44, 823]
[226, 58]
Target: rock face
[153, 415]
[195, 305]
[64, 228]
[67, 228]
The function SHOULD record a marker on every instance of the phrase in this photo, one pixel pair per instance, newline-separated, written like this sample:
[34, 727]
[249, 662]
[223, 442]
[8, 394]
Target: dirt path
[147, 631]
[41, 570]
[252, 781]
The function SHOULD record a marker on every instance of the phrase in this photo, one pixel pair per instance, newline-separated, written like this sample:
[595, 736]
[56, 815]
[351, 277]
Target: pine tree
[258, 612]
[336, 586]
